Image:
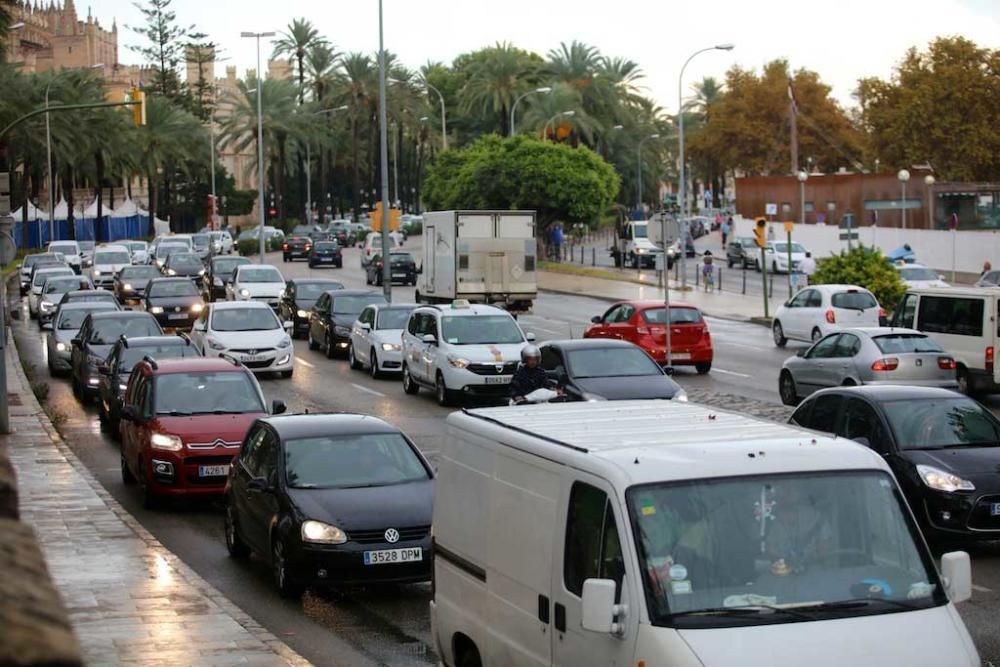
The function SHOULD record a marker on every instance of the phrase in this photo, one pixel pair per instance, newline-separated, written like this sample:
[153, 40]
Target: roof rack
[151, 361]
[230, 358]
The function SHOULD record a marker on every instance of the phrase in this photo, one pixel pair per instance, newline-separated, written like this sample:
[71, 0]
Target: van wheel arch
[465, 651]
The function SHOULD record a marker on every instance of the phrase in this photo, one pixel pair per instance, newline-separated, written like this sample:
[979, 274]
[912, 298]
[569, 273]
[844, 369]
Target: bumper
[326, 259]
[404, 278]
[965, 515]
[681, 355]
[272, 362]
[167, 322]
[45, 316]
[981, 381]
[390, 361]
[177, 474]
[344, 564]
[296, 254]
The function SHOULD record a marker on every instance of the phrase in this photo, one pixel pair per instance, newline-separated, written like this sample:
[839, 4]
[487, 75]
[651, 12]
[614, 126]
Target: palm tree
[359, 90]
[496, 76]
[169, 136]
[708, 91]
[323, 64]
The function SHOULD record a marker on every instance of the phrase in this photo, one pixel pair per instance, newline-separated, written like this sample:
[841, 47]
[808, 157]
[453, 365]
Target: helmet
[529, 351]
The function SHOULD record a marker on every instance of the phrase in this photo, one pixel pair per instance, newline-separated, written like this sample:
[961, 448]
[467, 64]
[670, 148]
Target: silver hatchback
[878, 355]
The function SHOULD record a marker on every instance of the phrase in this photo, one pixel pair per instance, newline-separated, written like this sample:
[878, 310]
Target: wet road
[390, 625]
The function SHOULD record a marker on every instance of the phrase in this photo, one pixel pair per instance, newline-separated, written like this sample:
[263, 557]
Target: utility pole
[384, 163]
[793, 125]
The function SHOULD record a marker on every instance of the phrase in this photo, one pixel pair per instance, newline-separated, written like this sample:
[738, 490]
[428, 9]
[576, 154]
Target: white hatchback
[377, 338]
[71, 251]
[256, 282]
[249, 332]
[821, 309]
[918, 275]
[776, 254]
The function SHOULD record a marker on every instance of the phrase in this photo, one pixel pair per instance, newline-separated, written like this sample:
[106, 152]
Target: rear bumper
[682, 355]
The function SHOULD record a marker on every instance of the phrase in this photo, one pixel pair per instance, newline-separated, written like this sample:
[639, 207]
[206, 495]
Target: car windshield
[136, 272]
[640, 231]
[92, 296]
[903, 343]
[677, 315]
[214, 392]
[136, 245]
[260, 274]
[244, 319]
[226, 266]
[783, 247]
[133, 355]
[165, 249]
[778, 548]
[917, 273]
[401, 258]
[64, 248]
[347, 305]
[107, 331]
[393, 318]
[167, 288]
[611, 362]
[940, 423]
[86, 245]
[42, 276]
[113, 257]
[73, 318]
[480, 330]
[200, 240]
[185, 260]
[62, 284]
[326, 245]
[853, 300]
[351, 461]
[311, 291]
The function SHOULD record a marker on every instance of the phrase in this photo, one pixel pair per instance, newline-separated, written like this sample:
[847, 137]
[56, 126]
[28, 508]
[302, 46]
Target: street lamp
[680, 139]
[903, 177]
[929, 181]
[545, 130]
[260, 138]
[48, 145]
[342, 107]
[803, 176]
[513, 107]
[444, 121]
[383, 160]
[638, 182]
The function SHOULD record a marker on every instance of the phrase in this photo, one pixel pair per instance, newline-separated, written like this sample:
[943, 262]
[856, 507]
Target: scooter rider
[529, 375]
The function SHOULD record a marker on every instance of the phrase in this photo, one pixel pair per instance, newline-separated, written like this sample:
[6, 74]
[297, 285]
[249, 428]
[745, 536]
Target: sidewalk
[130, 601]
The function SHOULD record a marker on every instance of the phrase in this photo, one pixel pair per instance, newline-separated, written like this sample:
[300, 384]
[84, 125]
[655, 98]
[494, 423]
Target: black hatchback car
[402, 268]
[331, 319]
[130, 282]
[606, 370]
[331, 499]
[296, 247]
[90, 348]
[184, 265]
[174, 302]
[300, 296]
[943, 447]
[218, 272]
[326, 253]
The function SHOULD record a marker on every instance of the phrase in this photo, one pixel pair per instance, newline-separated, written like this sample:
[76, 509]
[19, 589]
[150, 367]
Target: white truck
[482, 256]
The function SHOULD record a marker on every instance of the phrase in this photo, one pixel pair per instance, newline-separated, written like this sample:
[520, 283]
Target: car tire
[409, 385]
[128, 479]
[352, 358]
[787, 390]
[441, 392]
[373, 365]
[235, 545]
[778, 333]
[964, 383]
[469, 658]
[331, 351]
[703, 367]
[149, 500]
[313, 345]
[288, 587]
[816, 334]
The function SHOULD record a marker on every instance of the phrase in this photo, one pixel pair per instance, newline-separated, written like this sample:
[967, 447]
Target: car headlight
[639, 251]
[197, 308]
[318, 532]
[166, 442]
[171, 272]
[61, 347]
[458, 362]
[392, 347]
[97, 272]
[341, 331]
[681, 396]
[302, 313]
[214, 344]
[156, 310]
[122, 387]
[287, 342]
[245, 293]
[46, 305]
[201, 272]
[940, 480]
[126, 287]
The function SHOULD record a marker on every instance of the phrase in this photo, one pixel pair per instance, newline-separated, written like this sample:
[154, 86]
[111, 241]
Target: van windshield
[778, 549]
[481, 330]
[639, 231]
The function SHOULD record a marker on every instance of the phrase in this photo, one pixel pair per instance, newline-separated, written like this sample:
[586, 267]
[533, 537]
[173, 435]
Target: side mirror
[801, 352]
[288, 325]
[956, 570]
[430, 339]
[75, 342]
[278, 407]
[365, 326]
[596, 319]
[530, 337]
[599, 608]
[130, 413]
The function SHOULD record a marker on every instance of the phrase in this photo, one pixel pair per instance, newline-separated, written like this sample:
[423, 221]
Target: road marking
[981, 589]
[304, 362]
[725, 372]
[367, 390]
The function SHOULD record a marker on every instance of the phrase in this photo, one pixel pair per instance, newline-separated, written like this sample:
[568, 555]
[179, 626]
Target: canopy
[126, 209]
[91, 211]
[61, 211]
[34, 213]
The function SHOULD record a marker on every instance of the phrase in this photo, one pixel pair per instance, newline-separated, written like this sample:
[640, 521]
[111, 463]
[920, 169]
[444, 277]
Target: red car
[641, 323]
[183, 422]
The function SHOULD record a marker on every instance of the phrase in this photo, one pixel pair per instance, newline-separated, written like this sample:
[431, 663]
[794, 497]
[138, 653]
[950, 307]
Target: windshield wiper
[175, 413]
[748, 610]
[858, 603]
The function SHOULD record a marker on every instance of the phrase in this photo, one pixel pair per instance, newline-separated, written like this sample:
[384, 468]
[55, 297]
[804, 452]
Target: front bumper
[319, 564]
[390, 361]
[473, 384]
[61, 361]
[268, 361]
[178, 473]
[967, 515]
[166, 320]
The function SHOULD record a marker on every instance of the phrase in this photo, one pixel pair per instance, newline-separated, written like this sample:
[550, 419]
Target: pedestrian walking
[807, 267]
[726, 230]
[557, 241]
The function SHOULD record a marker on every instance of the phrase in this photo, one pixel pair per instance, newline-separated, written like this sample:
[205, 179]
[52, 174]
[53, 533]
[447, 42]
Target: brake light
[881, 312]
[946, 363]
[887, 364]
[643, 331]
[989, 359]
[284, 246]
[830, 317]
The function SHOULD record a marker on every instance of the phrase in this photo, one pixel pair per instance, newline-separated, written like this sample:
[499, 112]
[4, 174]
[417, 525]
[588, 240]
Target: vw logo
[177, 309]
[392, 536]
[920, 362]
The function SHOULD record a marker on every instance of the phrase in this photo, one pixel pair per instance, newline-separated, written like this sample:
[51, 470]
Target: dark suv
[97, 334]
[219, 272]
[743, 251]
[296, 247]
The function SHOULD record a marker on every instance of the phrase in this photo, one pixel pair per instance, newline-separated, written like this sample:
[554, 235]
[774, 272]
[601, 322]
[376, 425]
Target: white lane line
[725, 372]
[304, 362]
[981, 589]
[367, 390]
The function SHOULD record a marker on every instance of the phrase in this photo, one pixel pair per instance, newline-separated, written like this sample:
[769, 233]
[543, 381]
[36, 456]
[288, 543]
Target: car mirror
[430, 339]
[365, 326]
[278, 407]
[956, 570]
[801, 352]
[75, 342]
[130, 413]
[598, 606]
[596, 319]
[530, 337]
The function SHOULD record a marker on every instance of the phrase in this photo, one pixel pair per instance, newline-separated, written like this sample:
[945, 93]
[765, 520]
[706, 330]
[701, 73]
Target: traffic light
[760, 232]
[375, 217]
[394, 219]
[138, 100]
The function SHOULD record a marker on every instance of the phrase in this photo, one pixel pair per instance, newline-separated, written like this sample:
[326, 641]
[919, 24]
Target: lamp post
[681, 203]
[444, 121]
[260, 138]
[545, 130]
[903, 177]
[384, 161]
[342, 107]
[803, 176]
[513, 107]
[929, 181]
[638, 182]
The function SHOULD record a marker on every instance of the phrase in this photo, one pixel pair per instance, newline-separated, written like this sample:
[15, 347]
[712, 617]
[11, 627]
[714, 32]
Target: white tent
[90, 213]
[61, 211]
[34, 213]
[160, 227]
[126, 209]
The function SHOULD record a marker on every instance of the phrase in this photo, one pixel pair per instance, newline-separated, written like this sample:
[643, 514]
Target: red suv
[182, 423]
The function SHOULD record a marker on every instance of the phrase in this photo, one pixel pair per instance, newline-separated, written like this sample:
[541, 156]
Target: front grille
[980, 517]
[258, 364]
[223, 460]
[378, 536]
[508, 368]
[253, 350]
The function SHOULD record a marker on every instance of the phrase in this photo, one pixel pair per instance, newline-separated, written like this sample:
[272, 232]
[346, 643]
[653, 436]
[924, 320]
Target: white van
[963, 320]
[373, 246]
[659, 533]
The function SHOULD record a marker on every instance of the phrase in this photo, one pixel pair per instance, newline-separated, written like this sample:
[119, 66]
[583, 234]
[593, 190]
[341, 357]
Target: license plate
[399, 275]
[995, 509]
[681, 356]
[213, 471]
[177, 316]
[389, 556]
[251, 358]
[326, 259]
[500, 379]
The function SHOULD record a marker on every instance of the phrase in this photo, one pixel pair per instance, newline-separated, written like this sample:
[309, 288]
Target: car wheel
[330, 350]
[313, 345]
[470, 658]
[373, 365]
[703, 367]
[441, 391]
[779, 334]
[729, 263]
[409, 386]
[286, 585]
[774, 267]
[962, 376]
[353, 358]
[128, 479]
[235, 545]
[816, 334]
[786, 388]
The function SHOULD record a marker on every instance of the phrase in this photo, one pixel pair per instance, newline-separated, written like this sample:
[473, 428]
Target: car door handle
[560, 617]
[543, 609]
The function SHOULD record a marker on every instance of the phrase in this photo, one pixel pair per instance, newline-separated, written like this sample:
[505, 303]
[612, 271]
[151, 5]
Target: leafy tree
[201, 52]
[165, 45]
[496, 76]
[866, 267]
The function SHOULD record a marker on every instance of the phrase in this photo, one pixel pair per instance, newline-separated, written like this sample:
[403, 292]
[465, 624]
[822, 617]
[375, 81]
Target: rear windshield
[65, 248]
[217, 392]
[73, 318]
[393, 318]
[677, 315]
[172, 288]
[853, 300]
[401, 258]
[133, 355]
[903, 343]
[118, 257]
[351, 461]
[200, 240]
[612, 362]
[327, 245]
[107, 331]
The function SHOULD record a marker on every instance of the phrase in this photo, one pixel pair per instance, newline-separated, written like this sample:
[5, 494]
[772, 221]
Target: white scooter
[538, 396]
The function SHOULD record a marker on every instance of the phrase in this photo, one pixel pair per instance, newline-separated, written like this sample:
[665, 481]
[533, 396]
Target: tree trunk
[68, 189]
[154, 197]
[307, 208]
[355, 175]
[282, 141]
[99, 168]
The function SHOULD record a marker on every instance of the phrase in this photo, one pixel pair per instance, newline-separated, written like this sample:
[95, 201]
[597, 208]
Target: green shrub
[866, 267]
[274, 243]
[247, 247]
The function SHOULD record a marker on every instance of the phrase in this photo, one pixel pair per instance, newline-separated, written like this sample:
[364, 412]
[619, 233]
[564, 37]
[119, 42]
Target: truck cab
[639, 250]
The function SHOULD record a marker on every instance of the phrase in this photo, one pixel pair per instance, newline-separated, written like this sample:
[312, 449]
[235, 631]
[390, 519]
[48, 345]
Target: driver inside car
[529, 375]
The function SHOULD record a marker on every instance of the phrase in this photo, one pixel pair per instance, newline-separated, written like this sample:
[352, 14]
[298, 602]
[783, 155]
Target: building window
[809, 207]
[831, 206]
[786, 207]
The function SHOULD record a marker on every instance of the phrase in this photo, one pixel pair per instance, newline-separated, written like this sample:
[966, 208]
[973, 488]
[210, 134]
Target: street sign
[789, 226]
[849, 236]
[771, 209]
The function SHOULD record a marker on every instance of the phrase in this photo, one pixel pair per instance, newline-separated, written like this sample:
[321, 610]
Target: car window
[73, 318]
[209, 392]
[392, 318]
[107, 331]
[678, 315]
[959, 316]
[612, 314]
[346, 305]
[267, 455]
[904, 343]
[552, 360]
[323, 303]
[611, 362]
[592, 550]
[244, 319]
[824, 414]
[815, 299]
[480, 330]
[905, 312]
[942, 423]
[352, 461]
[848, 345]
[801, 299]
[113, 257]
[626, 313]
[249, 455]
[133, 272]
[259, 274]
[132, 355]
[861, 421]
[801, 414]
[142, 401]
[313, 290]
[853, 300]
[824, 349]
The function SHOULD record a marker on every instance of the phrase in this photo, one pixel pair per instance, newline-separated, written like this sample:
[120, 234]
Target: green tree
[866, 267]
[496, 76]
[166, 142]
[165, 45]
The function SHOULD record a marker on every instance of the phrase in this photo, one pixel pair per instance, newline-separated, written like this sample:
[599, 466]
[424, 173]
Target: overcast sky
[843, 40]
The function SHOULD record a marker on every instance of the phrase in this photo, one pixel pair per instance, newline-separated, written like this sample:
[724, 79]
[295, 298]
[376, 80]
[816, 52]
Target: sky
[842, 40]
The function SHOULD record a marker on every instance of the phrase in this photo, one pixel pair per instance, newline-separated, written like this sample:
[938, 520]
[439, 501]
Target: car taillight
[946, 363]
[989, 359]
[830, 317]
[284, 246]
[643, 331]
[887, 364]
[881, 312]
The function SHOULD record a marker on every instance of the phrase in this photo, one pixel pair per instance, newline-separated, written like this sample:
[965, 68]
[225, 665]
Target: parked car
[943, 448]
[31, 261]
[296, 247]
[866, 356]
[918, 275]
[255, 282]
[299, 298]
[108, 261]
[218, 274]
[182, 424]
[70, 250]
[743, 252]
[817, 311]
[98, 333]
[249, 332]
[377, 338]
[776, 256]
[606, 370]
[52, 293]
[115, 372]
[331, 319]
[402, 268]
[325, 252]
[184, 265]
[39, 274]
[66, 323]
[175, 302]
[130, 283]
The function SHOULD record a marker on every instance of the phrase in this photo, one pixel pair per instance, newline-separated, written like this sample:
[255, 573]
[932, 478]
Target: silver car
[66, 325]
[877, 355]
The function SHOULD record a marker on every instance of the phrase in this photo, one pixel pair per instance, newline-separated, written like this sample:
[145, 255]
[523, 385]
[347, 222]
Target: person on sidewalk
[557, 241]
[725, 229]
[706, 270]
[807, 267]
